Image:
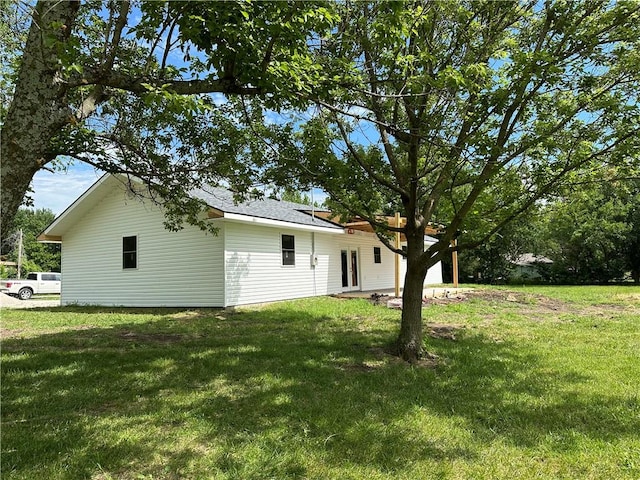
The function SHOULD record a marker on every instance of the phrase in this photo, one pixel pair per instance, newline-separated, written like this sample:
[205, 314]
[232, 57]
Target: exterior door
[350, 269]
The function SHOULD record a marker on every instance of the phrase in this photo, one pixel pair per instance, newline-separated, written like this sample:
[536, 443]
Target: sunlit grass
[537, 383]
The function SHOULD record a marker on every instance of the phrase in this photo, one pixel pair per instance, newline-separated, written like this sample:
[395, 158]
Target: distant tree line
[36, 257]
[591, 234]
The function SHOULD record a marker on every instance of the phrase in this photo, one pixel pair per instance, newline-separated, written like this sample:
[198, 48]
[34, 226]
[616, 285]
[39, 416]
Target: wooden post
[454, 258]
[397, 282]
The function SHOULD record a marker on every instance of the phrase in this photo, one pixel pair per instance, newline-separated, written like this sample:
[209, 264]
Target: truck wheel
[25, 293]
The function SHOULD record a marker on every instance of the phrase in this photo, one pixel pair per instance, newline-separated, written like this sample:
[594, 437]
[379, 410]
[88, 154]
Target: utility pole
[20, 253]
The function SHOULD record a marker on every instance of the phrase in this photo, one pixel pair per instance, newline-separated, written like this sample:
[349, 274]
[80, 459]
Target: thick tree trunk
[38, 109]
[409, 343]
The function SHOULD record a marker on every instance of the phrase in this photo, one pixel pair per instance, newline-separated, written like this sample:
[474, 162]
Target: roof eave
[237, 217]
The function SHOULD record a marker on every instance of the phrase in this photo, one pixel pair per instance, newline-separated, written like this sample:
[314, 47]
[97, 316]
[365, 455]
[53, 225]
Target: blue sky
[56, 191]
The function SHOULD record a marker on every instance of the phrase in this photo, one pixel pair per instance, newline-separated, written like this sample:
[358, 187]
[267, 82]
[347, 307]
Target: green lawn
[537, 383]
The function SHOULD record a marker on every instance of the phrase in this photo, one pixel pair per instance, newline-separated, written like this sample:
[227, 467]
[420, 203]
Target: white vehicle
[35, 283]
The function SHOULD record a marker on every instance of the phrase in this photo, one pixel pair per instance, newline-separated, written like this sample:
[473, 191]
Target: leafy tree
[493, 260]
[444, 103]
[591, 233]
[45, 256]
[35, 256]
[128, 88]
[632, 245]
[296, 196]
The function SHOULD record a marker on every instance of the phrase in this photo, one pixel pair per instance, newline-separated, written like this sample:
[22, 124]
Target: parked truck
[35, 283]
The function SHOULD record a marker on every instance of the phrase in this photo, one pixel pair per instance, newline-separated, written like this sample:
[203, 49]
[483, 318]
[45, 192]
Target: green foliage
[127, 90]
[493, 260]
[591, 232]
[37, 257]
[632, 245]
[12, 37]
[468, 114]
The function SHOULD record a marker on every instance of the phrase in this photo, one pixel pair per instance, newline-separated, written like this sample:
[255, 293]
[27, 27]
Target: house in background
[116, 251]
[528, 266]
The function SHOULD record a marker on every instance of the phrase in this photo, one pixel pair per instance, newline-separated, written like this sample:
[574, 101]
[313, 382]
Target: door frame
[351, 253]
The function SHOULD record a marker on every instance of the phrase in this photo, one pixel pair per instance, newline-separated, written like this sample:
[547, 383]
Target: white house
[116, 251]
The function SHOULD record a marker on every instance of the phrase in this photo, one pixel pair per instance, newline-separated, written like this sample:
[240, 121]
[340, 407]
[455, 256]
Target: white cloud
[56, 191]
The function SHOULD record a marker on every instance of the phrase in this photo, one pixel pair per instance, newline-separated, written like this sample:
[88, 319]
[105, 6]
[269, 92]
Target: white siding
[242, 265]
[434, 275]
[182, 268]
[254, 270]
[381, 276]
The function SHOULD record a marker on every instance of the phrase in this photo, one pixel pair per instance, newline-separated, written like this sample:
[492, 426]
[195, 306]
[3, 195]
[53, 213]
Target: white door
[350, 269]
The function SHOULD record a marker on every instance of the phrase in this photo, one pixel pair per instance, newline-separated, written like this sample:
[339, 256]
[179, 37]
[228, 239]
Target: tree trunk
[39, 108]
[409, 343]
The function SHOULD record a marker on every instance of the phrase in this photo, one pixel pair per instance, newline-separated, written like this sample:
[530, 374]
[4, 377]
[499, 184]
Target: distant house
[116, 251]
[528, 266]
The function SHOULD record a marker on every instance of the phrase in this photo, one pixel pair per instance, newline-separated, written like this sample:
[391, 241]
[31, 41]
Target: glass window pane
[128, 244]
[288, 242]
[129, 252]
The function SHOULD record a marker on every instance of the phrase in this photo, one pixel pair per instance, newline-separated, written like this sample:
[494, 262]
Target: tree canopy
[120, 85]
[467, 114]
[591, 233]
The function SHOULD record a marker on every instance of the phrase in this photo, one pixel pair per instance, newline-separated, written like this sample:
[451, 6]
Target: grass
[537, 383]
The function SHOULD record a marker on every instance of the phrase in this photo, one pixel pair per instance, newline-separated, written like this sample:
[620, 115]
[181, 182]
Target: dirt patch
[9, 333]
[541, 308]
[444, 332]
[358, 367]
[525, 300]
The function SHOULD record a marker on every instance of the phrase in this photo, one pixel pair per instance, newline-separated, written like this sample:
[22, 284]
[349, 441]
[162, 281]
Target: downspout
[313, 260]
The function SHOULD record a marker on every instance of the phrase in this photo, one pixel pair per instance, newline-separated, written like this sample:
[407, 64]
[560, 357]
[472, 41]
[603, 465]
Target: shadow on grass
[257, 394]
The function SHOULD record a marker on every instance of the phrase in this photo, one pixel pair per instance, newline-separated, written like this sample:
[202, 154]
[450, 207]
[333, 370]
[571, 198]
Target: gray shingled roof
[222, 199]
[531, 259]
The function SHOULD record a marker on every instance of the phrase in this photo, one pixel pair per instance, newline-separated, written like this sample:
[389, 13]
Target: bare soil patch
[10, 333]
[543, 308]
[528, 302]
[442, 331]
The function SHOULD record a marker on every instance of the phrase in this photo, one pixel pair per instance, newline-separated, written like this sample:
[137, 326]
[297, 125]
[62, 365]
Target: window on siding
[130, 252]
[377, 256]
[288, 250]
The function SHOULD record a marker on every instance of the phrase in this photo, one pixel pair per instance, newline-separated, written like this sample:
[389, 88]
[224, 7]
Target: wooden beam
[454, 258]
[214, 213]
[49, 238]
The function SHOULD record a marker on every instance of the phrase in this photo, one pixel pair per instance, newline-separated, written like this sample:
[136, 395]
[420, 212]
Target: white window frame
[291, 250]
